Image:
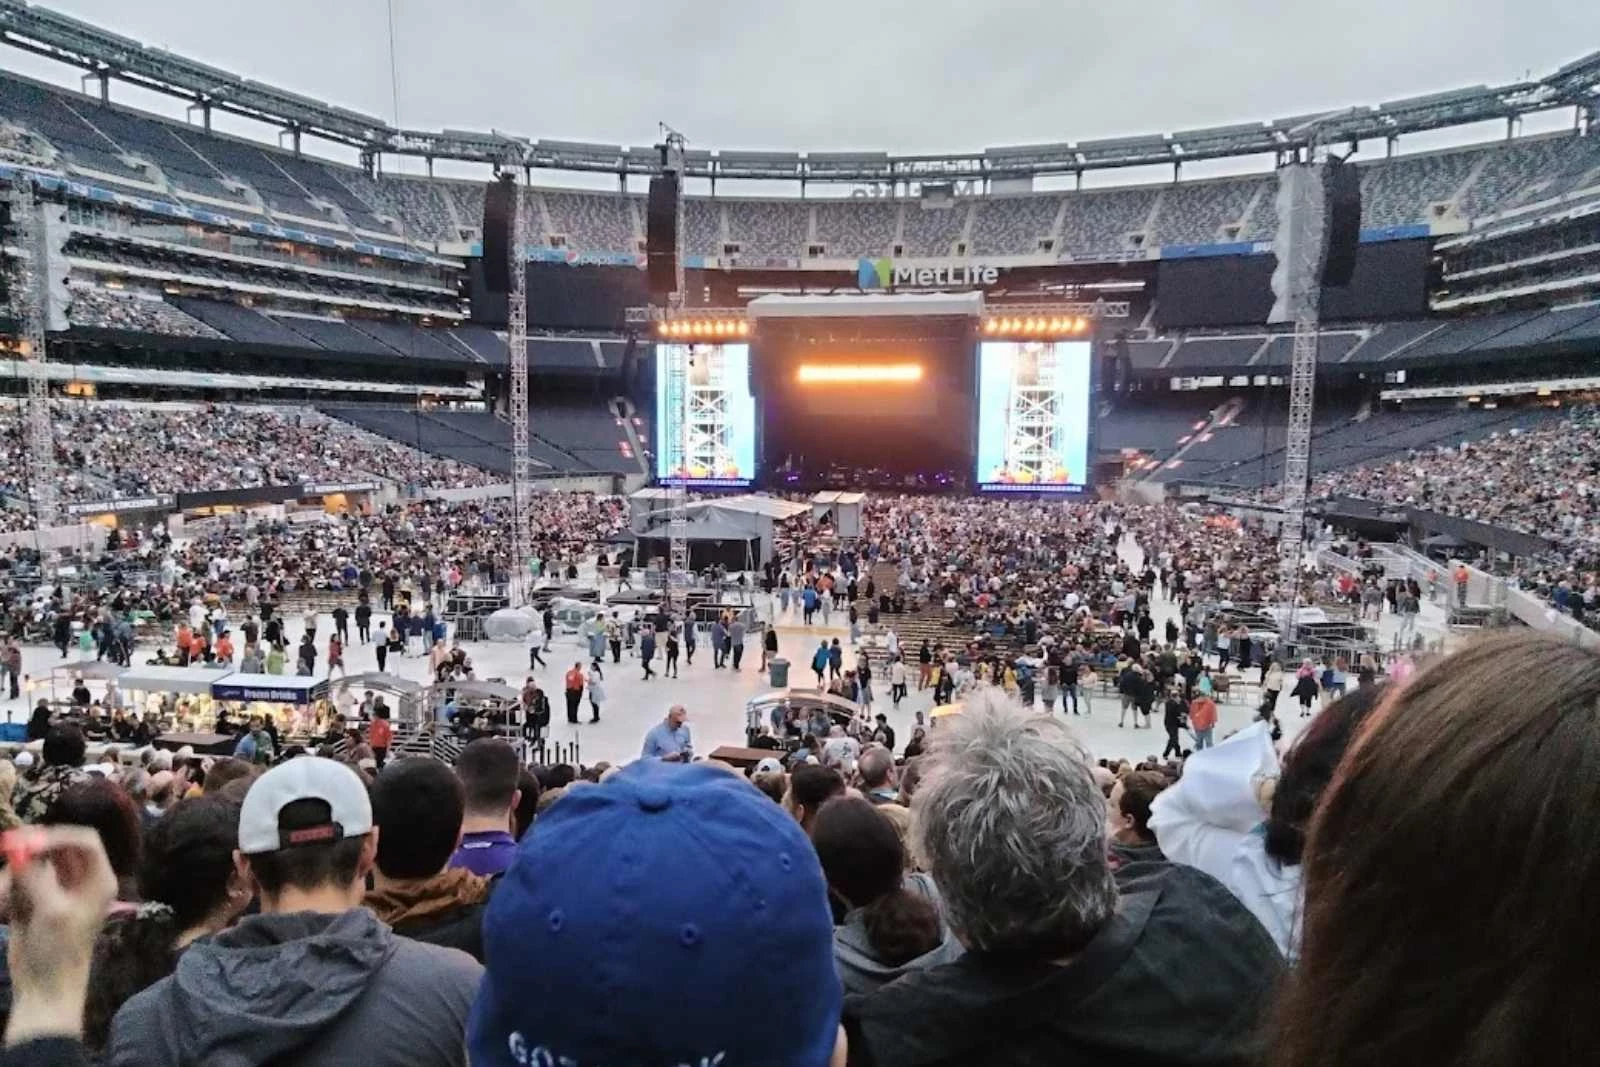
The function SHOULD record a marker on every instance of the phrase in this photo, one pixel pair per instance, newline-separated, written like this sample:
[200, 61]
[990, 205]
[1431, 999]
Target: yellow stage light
[877, 373]
[744, 328]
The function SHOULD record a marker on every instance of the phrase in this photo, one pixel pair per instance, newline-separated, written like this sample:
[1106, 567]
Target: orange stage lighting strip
[893, 373]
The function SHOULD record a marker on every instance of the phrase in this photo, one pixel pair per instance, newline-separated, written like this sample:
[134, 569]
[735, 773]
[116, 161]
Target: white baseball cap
[305, 778]
[768, 765]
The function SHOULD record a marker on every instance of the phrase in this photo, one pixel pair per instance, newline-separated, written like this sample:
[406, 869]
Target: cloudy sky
[897, 75]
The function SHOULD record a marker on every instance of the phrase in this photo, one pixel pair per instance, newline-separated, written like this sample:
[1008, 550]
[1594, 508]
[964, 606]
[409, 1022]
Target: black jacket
[45, 1052]
[1179, 977]
[462, 929]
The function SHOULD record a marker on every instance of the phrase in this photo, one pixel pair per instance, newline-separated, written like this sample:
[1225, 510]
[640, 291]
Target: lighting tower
[517, 349]
[33, 272]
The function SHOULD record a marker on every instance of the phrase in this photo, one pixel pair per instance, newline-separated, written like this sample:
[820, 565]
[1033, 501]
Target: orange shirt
[575, 679]
[197, 646]
[224, 647]
[380, 733]
[1202, 713]
[185, 635]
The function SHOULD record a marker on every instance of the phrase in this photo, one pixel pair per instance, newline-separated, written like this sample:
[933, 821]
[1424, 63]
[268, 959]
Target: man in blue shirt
[669, 739]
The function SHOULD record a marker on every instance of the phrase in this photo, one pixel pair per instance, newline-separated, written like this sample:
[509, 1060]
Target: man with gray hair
[1067, 962]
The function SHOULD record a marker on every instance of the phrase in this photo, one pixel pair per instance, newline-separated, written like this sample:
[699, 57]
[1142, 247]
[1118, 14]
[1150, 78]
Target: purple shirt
[486, 852]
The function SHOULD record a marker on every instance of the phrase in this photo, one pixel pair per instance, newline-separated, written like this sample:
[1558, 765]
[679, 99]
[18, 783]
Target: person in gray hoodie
[315, 979]
[892, 921]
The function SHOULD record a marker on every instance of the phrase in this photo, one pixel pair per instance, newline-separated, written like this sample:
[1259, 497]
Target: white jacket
[1211, 820]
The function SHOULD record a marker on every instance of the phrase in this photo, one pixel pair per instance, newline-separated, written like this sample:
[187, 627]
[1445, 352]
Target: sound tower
[498, 203]
[1343, 188]
[661, 237]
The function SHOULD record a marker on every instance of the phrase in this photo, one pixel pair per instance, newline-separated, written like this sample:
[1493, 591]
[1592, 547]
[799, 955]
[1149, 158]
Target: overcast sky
[895, 75]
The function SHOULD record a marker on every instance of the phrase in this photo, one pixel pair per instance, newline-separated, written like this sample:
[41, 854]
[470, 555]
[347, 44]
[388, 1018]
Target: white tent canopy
[750, 504]
[192, 681]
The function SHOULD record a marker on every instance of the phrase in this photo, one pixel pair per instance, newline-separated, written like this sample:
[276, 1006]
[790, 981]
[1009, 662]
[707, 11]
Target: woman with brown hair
[892, 921]
[1450, 871]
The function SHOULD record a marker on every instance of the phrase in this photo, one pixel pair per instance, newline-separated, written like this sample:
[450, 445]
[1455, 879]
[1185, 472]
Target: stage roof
[863, 305]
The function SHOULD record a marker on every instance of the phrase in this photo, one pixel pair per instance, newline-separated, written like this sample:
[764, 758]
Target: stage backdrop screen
[715, 442]
[1034, 416]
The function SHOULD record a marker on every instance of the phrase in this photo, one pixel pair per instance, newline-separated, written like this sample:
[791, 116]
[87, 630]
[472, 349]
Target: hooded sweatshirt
[303, 988]
[861, 970]
[446, 909]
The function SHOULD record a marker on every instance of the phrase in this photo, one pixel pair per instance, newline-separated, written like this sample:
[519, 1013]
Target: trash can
[778, 672]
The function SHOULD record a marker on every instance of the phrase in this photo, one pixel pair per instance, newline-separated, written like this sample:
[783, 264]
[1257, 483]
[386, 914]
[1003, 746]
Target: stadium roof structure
[108, 56]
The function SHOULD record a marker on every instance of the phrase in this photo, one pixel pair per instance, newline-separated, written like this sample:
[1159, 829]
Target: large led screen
[1034, 410]
[705, 416]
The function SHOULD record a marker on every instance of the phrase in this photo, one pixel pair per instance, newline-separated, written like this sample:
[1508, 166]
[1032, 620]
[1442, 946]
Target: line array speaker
[498, 201]
[1344, 223]
[661, 237]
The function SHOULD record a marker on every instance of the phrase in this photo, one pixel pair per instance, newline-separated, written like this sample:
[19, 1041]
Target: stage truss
[677, 384]
[517, 349]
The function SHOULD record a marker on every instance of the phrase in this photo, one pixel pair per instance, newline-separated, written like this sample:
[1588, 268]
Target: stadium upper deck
[180, 169]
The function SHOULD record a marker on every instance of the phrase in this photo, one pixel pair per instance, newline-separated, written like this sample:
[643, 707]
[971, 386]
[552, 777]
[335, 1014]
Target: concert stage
[919, 391]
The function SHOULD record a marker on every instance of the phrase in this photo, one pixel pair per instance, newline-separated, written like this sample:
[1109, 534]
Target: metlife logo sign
[884, 273]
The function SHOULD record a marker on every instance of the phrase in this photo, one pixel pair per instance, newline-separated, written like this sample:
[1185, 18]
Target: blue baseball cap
[662, 917]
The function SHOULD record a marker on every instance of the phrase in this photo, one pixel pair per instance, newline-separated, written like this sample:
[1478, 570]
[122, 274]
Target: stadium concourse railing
[1484, 590]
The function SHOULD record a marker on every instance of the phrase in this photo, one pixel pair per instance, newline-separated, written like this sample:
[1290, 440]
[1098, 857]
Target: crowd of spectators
[107, 450]
[1543, 481]
[107, 309]
[241, 567]
[1002, 898]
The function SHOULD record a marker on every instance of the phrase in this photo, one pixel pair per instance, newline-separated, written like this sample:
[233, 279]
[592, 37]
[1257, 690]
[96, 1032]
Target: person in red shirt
[224, 648]
[1202, 720]
[574, 681]
[335, 655]
[380, 735]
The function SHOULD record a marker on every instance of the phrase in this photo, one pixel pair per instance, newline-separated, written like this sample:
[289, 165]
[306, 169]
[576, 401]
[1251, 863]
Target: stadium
[336, 452]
